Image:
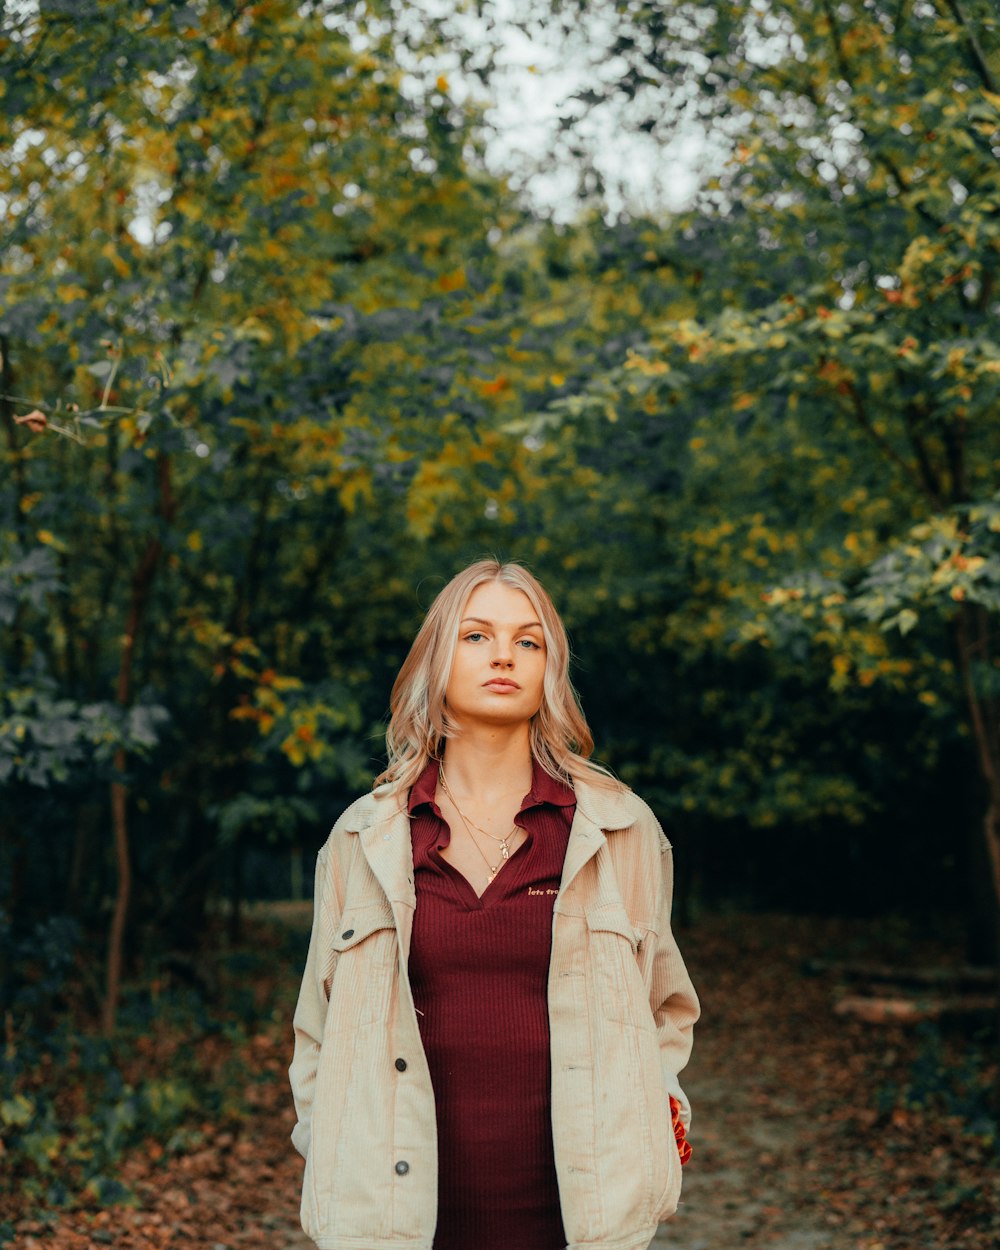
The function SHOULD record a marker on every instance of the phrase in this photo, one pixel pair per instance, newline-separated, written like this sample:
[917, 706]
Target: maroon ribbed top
[479, 971]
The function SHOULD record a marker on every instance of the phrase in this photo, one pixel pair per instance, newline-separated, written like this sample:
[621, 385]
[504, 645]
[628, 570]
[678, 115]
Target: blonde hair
[419, 724]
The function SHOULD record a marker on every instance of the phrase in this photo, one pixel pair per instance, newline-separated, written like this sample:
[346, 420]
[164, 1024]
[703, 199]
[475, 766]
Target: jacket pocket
[365, 953]
[613, 946]
[671, 1196]
[660, 1144]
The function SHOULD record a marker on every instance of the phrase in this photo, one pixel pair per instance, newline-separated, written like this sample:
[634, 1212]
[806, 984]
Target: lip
[501, 683]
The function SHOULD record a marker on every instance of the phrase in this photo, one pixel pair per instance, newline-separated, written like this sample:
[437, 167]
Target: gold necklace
[492, 869]
[467, 821]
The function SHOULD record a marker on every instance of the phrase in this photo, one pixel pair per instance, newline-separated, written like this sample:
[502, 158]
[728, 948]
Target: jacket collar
[609, 809]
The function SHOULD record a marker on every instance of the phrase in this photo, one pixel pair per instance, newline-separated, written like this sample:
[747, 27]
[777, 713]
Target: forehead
[497, 602]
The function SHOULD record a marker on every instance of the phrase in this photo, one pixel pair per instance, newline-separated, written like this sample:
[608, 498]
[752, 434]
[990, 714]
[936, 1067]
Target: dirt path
[756, 1125]
[731, 1197]
[817, 1133]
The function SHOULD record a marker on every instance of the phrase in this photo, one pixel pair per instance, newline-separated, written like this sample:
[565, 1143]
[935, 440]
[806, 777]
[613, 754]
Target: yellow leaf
[286, 683]
[453, 281]
[292, 748]
[356, 488]
[110, 252]
[494, 386]
[651, 368]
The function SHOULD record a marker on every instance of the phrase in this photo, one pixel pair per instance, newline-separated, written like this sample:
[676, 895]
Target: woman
[494, 1011]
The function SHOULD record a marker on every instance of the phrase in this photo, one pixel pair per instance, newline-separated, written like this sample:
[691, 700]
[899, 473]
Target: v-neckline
[464, 883]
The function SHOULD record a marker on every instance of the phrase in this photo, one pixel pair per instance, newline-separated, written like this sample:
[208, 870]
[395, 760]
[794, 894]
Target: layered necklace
[504, 842]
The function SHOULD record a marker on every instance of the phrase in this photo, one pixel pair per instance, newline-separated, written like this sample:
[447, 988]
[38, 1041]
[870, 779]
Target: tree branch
[887, 449]
[881, 157]
[954, 443]
[932, 480]
[975, 52]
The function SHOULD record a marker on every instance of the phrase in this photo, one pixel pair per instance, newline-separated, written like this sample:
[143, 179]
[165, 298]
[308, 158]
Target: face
[499, 667]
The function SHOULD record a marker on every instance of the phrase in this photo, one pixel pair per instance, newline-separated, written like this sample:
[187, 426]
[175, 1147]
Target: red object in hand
[683, 1145]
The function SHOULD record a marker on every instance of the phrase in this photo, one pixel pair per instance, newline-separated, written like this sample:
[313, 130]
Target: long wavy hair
[420, 723]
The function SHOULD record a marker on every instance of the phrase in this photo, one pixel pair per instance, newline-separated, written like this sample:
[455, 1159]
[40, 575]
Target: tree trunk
[123, 895]
[980, 920]
[296, 876]
[142, 581]
[16, 460]
[236, 894]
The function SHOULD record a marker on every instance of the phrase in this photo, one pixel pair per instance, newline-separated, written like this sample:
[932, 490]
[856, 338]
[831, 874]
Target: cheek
[460, 669]
[538, 686]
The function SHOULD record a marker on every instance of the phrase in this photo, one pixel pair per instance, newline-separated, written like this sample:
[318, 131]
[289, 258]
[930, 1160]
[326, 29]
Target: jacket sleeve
[310, 1011]
[671, 996]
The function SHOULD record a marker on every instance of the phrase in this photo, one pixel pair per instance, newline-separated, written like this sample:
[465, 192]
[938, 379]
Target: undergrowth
[74, 1103]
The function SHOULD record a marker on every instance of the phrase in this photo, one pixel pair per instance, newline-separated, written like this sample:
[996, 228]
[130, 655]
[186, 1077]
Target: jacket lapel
[598, 811]
[385, 842]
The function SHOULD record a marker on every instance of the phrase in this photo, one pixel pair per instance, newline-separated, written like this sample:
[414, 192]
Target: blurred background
[691, 307]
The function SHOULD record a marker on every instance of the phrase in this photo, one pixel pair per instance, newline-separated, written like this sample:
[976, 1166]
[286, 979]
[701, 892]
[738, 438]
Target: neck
[489, 762]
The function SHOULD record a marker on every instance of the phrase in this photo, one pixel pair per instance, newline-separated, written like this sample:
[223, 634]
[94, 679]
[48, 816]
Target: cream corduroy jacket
[621, 1013]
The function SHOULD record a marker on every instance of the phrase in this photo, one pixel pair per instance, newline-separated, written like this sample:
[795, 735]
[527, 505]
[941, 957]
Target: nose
[502, 656]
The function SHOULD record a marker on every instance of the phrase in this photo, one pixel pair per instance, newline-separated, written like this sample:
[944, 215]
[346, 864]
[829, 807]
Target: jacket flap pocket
[359, 923]
[612, 918]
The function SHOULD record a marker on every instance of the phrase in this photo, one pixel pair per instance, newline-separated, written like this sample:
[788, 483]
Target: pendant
[503, 850]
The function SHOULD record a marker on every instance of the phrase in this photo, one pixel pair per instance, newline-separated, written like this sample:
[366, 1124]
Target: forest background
[280, 350]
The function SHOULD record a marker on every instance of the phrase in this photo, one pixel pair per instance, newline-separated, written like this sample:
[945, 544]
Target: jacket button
[402, 1167]
[400, 1065]
[348, 933]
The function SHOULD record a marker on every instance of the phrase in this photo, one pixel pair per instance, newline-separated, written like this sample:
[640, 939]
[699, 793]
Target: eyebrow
[478, 620]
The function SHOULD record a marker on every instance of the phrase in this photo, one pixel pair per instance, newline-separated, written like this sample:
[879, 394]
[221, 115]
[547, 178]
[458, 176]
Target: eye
[474, 636]
[529, 644]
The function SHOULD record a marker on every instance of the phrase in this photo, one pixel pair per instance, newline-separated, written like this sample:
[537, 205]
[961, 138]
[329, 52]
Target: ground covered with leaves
[812, 1131]
[818, 1132]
